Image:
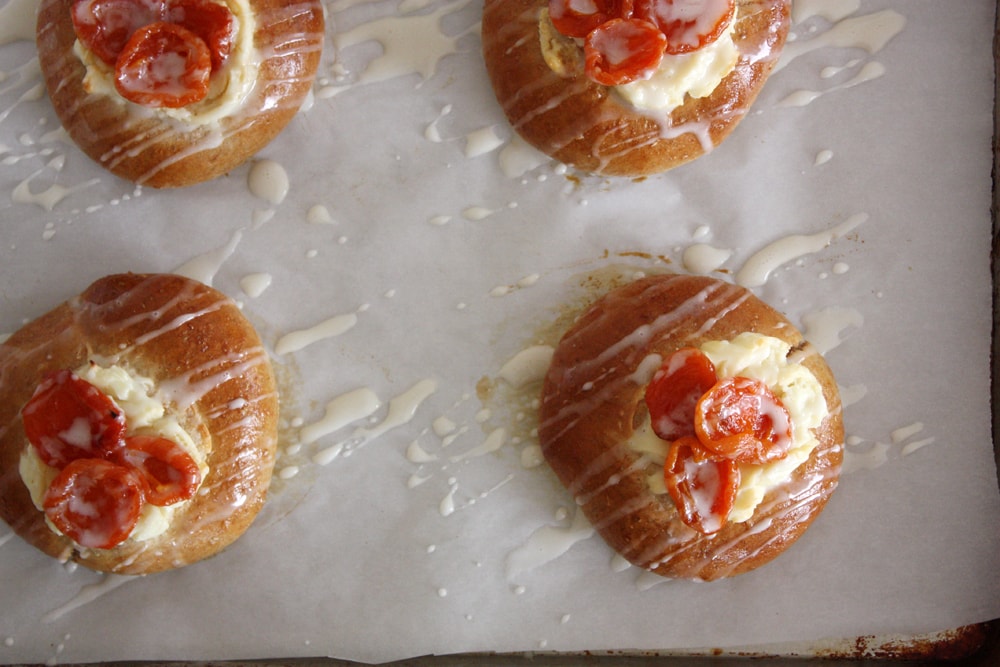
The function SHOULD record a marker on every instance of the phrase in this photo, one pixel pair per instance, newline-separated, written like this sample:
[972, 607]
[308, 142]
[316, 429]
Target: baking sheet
[420, 248]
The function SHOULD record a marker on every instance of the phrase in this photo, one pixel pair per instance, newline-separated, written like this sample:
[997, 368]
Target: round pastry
[629, 87]
[169, 93]
[698, 431]
[138, 425]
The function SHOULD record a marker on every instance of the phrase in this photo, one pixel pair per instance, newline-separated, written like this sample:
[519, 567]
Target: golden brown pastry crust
[591, 402]
[198, 348]
[588, 126]
[135, 144]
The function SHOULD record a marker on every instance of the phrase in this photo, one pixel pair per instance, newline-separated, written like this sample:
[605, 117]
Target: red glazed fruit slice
[673, 393]
[703, 489]
[164, 65]
[68, 418]
[742, 419]
[623, 50]
[94, 502]
[170, 472]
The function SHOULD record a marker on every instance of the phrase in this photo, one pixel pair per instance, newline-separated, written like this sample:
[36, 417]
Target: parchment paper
[420, 247]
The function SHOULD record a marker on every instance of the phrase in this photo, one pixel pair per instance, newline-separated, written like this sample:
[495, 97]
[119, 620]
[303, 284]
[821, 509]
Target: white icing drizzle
[518, 157]
[911, 447]
[401, 409]
[482, 141]
[319, 215]
[49, 197]
[531, 456]
[860, 454]
[494, 441]
[188, 388]
[874, 456]
[431, 132]
[88, 594]
[905, 432]
[756, 269]
[443, 426]
[412, 43]
[416, 454]
[203, 267]
[801, 98]
[268, 180]
[254, 284]
[341, 411]
[823, 328]
[447, 505]
[328, 328]
[870, 32]
[702, 258]
[546, 544]
[476, 213]
[527, 366]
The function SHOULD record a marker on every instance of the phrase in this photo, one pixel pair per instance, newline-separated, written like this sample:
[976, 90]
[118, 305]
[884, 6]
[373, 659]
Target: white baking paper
[420, 247]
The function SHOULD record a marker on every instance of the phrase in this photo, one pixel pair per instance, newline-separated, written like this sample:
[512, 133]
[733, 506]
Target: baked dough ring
[592, 401]
[142, 146]
[589, 126]
[200, 350]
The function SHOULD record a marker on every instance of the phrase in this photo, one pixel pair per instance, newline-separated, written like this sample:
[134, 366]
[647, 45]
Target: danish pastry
[169, 93]
[629, 87]
[697, 430]
[138, 425]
